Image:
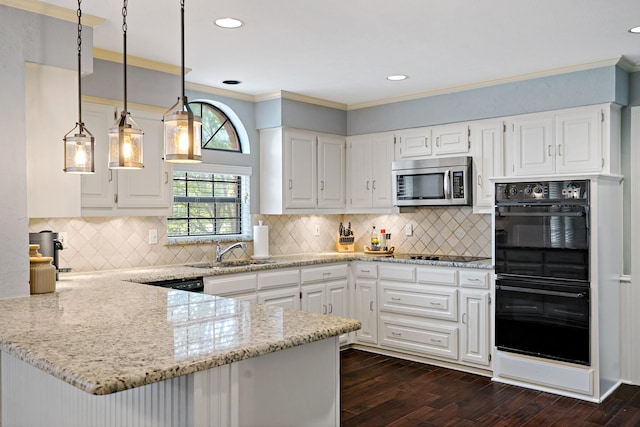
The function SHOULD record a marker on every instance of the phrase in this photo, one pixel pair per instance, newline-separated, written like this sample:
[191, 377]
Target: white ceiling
[342, 50]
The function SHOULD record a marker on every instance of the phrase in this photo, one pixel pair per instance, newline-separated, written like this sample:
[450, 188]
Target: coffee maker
[49, 245]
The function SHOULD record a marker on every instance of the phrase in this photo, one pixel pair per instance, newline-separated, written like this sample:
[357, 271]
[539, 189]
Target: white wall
[26, 37]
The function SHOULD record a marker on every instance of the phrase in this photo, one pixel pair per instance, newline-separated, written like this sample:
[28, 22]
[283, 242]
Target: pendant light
[182, 137]
[125, 137]
[79, 143]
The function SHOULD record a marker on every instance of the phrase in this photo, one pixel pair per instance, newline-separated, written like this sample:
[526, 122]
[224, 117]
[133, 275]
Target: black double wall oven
[542, 269]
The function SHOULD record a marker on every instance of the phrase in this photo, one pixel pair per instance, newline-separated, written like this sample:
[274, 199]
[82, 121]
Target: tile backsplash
[105, 243]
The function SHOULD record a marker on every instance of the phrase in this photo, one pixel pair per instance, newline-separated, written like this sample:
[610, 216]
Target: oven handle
[532, 214]
[576, 295]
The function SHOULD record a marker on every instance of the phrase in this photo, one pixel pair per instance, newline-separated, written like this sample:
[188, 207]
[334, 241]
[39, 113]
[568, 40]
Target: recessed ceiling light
[231, 82]
[635, 30]
[397, 77]
[228, 22]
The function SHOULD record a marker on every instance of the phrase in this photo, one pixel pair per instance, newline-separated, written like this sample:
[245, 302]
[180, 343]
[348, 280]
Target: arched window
[218, 132]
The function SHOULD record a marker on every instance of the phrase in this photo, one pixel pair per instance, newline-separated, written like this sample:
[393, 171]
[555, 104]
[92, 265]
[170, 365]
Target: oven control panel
[541, 191]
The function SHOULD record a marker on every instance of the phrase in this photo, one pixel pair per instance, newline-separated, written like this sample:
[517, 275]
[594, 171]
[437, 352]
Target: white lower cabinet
[419, 336]
[365, 307]
[280, 288]
[236, 286]
[474, 333]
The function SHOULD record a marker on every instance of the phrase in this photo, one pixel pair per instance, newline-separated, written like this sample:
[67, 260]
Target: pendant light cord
[182, 42]
[124, 49]
[79, 13]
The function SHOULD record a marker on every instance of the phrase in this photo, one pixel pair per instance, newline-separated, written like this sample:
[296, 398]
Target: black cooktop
[447, 258]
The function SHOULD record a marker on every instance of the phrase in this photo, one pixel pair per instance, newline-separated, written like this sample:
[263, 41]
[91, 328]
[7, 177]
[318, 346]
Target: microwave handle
[447, 184]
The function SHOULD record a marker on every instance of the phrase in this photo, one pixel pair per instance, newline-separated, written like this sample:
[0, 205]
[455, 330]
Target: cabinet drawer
[367, 270]
[412, 300]
[397, 273]
[438, 276]
[419, 337]
[474, 279]
[229, 285]
[323, 274]
[278, 279]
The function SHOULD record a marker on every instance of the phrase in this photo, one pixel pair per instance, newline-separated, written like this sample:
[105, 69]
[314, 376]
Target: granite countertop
[103, 334]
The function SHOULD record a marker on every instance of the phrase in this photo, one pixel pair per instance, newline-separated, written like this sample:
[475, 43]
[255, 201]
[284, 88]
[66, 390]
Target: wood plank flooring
[378, 390]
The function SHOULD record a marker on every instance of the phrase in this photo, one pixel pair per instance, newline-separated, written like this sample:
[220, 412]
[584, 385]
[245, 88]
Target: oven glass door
[542, 241]
[421, 186]
[543, 319]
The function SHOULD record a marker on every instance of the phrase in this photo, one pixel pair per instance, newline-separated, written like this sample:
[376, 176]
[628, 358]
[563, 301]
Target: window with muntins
[218, 131]
[207, 203]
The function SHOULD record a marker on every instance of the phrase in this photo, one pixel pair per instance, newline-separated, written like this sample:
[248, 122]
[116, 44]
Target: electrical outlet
[153, 237]
[408, 230]
[317, 230]
[64, 238]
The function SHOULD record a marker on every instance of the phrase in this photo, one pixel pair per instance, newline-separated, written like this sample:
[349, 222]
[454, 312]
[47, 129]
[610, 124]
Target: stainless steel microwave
[432, 182]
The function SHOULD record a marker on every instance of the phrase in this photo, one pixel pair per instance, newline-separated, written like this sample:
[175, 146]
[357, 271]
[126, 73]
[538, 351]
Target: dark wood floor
[383, 391]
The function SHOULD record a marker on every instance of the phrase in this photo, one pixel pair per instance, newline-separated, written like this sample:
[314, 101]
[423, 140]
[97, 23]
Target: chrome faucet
[220, 252]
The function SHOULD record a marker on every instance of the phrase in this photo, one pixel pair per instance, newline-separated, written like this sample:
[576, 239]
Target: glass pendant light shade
[182, 134]
[78, 151]
[125, 144]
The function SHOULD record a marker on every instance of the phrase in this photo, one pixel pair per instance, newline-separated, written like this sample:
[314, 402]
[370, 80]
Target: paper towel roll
[260, 241]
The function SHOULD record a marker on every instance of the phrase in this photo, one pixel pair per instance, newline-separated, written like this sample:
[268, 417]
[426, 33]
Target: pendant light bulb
[125, 137]
[79, 143]
[182, 130]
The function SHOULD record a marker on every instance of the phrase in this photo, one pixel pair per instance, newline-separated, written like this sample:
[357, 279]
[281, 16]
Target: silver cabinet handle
[324, 309]
[110, 175]
[464, 315]
[438, 141]
[367, 185]
[321, 185]
[396, 299]
[373, 185]
[290, 184]
[479, 180]
[549, 150]
[166, 177]
[364, 271]
[559, 149]
[330, 308]
[370, 305]
[426, 141]
[473, 279]
[436, 304]
[396, 334]
[435, 340]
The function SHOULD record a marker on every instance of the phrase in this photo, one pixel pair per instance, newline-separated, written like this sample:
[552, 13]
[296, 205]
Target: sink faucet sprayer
[220, 252]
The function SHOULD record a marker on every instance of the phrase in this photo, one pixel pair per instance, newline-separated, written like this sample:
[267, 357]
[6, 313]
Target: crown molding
[486, 83]
[53, 11]
[220, 92]
[311, 100]
[137, 61]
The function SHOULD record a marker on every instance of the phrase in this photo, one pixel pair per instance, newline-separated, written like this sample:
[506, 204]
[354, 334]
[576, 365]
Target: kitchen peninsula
[104, 351]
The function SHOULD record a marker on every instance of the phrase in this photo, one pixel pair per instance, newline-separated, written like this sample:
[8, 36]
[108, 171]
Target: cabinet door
[314, 298]
[578, 141]
[474, 343]
[382, 157]
[534, 150]
[337, 298]
[414, 143]
[151, 186]
[332, 166]
[49, 115]
[97, 190]
[451, 139]
[300, 170]
[359, 159]
[366, 311]
[487, 142]
[285, 298]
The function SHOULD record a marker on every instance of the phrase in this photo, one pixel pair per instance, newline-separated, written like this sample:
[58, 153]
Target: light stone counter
[103, 335]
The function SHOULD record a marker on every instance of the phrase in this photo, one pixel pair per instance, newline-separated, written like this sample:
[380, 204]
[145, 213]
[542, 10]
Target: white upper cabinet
[143, 192]
[369, 172]
[50, 113]
[332, 167]
[301, 172]
[300, 159]
[414, 143]
[451, 139]
[577, 140]
[487, 142]
[432, 141]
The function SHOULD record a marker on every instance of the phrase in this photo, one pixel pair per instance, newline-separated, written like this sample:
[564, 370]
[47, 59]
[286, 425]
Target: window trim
[217, 169]
[241, 132]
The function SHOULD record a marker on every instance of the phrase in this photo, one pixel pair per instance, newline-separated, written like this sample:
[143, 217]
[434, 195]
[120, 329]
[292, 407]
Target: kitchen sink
[232, 263]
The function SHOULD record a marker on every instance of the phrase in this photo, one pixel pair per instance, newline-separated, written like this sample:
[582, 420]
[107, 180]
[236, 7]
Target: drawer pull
[330, 308]
[464, 321]
[435, 304]
[396, 334]
[435, 340]
[370, 305]
[473, 279]
[396, 299]
[364, 271]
